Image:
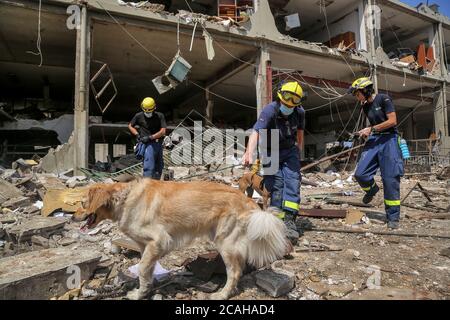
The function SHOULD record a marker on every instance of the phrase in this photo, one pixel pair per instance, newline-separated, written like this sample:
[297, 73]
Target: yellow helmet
[291, 94]
[361, 84]
[148, 104]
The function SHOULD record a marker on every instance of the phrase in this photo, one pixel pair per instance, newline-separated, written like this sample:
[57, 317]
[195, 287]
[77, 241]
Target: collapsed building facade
[74, 73]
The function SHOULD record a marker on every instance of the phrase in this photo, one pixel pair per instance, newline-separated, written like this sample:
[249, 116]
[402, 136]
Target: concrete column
[441, 117]
[81, 110]
[263, 87]
[440, 99]
[441, 51]
[255, 5]
[371, 34]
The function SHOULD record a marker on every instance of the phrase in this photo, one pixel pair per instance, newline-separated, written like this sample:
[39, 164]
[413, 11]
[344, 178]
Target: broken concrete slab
[8, 191]
[7, 219]
[387, 293]
[45, 273]
[76, 181]
[20, 201]
[59, 159]
[68, 200]
[50, 181]
[36, 226]
[126, 243]
[340, 290]
[40, 241]
[275, 283]
[318, 288]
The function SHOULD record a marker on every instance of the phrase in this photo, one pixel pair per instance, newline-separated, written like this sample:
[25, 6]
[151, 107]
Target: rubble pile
[345, 251]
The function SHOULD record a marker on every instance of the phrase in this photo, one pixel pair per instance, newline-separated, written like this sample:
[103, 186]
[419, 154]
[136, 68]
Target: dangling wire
[178, 34]
[38, 41]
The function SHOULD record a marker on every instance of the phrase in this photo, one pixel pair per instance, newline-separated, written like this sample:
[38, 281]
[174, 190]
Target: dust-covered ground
[355, 263]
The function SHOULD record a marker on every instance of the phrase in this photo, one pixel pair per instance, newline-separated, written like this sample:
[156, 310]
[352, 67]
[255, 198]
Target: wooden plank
[409, 192]
[424, 192]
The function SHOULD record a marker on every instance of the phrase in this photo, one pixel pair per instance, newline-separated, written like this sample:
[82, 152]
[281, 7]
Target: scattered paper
[39, 204]
[158, 273]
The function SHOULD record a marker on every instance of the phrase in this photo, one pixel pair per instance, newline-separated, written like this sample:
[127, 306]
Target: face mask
[285, 110]
[148, 114]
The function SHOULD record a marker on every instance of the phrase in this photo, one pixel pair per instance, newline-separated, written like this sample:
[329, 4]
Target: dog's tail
[267, 238]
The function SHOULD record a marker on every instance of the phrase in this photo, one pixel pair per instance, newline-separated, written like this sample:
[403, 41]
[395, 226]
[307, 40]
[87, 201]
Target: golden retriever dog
[163, 216]
[251, 181]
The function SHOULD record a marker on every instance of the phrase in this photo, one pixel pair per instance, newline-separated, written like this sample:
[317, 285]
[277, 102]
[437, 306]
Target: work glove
[145, 139]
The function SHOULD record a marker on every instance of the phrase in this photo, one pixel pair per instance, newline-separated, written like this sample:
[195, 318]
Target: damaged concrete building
[73, 73]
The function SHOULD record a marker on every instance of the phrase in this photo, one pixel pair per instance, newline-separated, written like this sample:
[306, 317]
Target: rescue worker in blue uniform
[149, 127]
[381, 150]
[288, 116]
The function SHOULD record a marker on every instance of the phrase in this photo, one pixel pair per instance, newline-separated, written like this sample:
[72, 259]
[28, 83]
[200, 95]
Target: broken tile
[277, 283]
[44, 273]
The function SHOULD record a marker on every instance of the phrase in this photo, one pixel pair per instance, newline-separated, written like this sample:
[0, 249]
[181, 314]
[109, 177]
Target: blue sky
[444, 5]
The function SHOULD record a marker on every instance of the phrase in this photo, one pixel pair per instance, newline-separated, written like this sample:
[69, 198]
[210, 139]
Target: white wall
[349, 23]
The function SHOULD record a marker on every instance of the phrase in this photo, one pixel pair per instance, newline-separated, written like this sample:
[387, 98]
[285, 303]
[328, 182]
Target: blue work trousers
[153, 162]
[382, 151]
[284, 186]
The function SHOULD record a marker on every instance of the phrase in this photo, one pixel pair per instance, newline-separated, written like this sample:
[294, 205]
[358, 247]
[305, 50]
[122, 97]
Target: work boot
[368, 197]
[291, 228]
[393, 225]
[276, 212]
